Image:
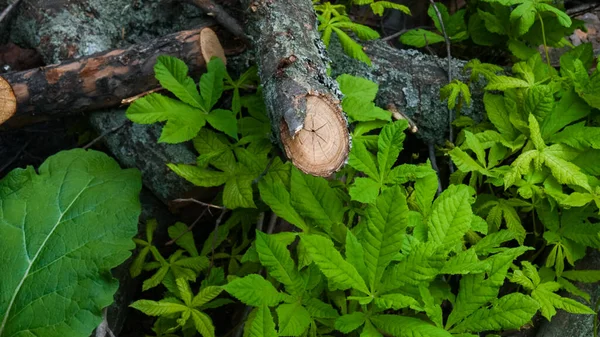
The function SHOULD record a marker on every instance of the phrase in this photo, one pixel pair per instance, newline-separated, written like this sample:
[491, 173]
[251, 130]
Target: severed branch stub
[8, 101]
[303, 102]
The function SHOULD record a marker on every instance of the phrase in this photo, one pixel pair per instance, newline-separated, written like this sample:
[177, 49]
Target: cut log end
[8, 101]
[210, 45]
[321, 147]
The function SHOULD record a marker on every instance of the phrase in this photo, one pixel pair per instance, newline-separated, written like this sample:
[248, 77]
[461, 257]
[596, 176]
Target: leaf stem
[544, 39]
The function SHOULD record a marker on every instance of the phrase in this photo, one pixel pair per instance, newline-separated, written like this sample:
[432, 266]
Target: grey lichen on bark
[411, 81]
[292, 65]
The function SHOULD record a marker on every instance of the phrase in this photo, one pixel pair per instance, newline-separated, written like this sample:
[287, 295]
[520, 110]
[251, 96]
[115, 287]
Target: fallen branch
[102, 80]
[302, 100]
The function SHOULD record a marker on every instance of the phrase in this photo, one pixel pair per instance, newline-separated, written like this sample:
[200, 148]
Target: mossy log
[102, 80]
[302, 100]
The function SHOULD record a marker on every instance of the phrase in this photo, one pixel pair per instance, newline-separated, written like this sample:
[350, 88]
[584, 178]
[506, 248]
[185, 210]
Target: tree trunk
[302, 100]
[102, 80]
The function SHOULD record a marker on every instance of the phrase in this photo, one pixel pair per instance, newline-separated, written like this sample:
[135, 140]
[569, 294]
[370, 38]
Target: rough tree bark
[302, 100]
[102, 80]
[64, 29]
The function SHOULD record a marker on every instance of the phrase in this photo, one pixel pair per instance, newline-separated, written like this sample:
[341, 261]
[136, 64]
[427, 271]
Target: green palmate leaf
[160, 308]
[319, 309]
[510, 312]
[274, 193]
[383, 236]
[451, 216]
[402, 326]
[350, 46]
[432, 309]
[355, 254]
[475, 291]
[465, 262]
[314, 199]
[184, 237]
[350, 322]
[203, 323]
[379, 6]
[475, 145]
[422, 264]
[183, 120]
[395, 301]
[498, 115]
[255, 291]
[223, 120]
[464, 162]
[586, 276]
[364, 190]
[361, 159]
[539, 101]
[359, 94]
[199, 176]
[503, 83]
[579, 136]
[71, 222]
[293, 318]
[172, 73]
[331, 263]
[262, 323]
[556, 159]
[549, 301]
[569, 109]
[389, 146]
[211, 83]
[420, 38]
[206, 295]
[275, 256]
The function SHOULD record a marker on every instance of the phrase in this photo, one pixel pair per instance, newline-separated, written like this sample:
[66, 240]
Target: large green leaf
[275, 256]
[382, 238]
[451, 216]
[331, 263]
[61, 231]
[402, 326]
[314, 199]
[510, 312]
[172, 73]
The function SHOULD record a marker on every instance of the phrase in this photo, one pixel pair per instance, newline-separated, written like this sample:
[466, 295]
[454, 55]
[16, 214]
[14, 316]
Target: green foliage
[378, 7]
[62, 230]
[454, 26]
[185, 117]
[186, 308]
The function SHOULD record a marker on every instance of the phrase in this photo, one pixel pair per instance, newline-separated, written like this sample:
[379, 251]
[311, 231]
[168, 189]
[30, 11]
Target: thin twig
[395, 35]
[390, 37]
[272, 223]
[447, 39]
[129, 100]
[260, 221]
[214, 241]
[12, 160]
[434, 165]
[7, 11]
[195, 201]
[189, 229]
[104, 134]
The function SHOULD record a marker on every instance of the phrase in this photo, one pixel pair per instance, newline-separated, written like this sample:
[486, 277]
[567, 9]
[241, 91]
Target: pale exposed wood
[322, 145]
[210, 45]
[8, 102]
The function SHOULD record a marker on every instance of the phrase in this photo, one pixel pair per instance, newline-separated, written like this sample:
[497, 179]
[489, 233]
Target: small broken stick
[221, 16]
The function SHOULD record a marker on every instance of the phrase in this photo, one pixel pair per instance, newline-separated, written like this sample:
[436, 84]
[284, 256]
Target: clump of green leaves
[334, 19]
[186, 116]
[534, 155]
